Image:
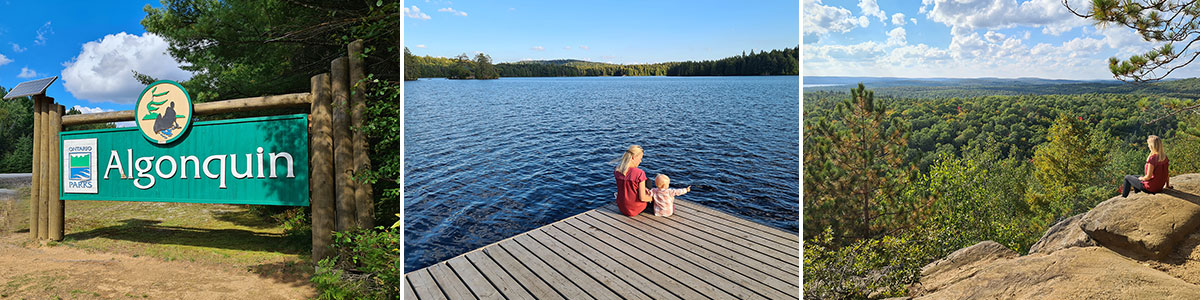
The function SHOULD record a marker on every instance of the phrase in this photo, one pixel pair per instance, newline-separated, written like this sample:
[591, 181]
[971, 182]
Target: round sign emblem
[164, 112]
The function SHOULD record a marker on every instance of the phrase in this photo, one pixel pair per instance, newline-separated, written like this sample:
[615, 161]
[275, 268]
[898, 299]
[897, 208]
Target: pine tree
[854, 170]
[1068, 162]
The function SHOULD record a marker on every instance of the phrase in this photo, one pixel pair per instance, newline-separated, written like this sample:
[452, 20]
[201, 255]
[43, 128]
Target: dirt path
[69, 273]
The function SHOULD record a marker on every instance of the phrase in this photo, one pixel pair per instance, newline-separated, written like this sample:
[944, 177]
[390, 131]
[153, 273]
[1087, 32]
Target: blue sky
[91, 45]
[962, 39]
[623, 32]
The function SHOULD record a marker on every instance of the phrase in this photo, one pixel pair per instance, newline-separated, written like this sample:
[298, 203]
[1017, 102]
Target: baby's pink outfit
[664, 200]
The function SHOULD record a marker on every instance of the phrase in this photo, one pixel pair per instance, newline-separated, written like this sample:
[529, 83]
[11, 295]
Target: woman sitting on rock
[1157, 171]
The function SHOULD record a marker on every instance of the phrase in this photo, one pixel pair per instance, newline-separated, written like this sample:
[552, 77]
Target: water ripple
[486, 160]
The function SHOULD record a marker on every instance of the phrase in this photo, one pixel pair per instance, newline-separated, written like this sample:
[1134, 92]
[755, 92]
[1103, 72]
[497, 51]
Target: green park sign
[260, 161]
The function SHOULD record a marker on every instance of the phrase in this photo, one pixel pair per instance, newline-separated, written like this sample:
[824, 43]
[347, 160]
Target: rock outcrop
[960, 265]
[1065, 234]
[1073, 273]
[1149, 224]
[1142, 247]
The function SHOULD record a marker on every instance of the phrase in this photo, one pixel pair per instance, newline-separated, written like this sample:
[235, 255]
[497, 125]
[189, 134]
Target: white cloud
[538, 48]
[898, 19]
[1050, 15]
[415, 13]
[566, 47]
[993, 37]
[585, 48]
[27, 73]
[871, 8]
[914, 20]
[421, 46]
[820, 20]
[103, 70]
[89, 110]
[42, 33]
[4, 60]
[897, 37]
[18, 48]
[453, 12]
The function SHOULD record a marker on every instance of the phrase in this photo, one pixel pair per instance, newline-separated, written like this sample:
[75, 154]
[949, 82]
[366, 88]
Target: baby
[664, 198]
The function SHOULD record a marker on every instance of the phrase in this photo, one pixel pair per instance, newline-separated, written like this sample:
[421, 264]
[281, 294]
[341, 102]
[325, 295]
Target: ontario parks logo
[164, 112]
[79, 165]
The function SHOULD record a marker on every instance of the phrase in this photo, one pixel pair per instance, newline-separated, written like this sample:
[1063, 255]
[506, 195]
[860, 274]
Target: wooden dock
[697, 253]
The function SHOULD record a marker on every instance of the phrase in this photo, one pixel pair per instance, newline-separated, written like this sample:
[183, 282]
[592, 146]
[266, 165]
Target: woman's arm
[1149, 173]
[643, 194]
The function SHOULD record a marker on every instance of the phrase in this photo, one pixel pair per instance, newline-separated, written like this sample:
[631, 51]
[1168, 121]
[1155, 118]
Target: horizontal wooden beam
[296, 100]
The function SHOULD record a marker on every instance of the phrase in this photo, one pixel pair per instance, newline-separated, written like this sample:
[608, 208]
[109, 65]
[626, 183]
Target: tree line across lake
[774, 62]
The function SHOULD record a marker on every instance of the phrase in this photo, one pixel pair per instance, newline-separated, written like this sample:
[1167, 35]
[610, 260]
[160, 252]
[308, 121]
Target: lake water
[489, 159]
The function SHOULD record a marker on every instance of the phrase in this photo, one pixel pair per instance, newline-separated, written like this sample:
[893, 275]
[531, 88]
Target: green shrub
[868, 268]
[367, 265]
[295, 222]
[333, 283]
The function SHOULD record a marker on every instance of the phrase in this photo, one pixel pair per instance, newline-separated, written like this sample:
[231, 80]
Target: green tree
[411, 72]
[484, 68]
[461, 68]
[253, 48]
[1070, 161]
[74, 111]
[854, 169]
[16, 134]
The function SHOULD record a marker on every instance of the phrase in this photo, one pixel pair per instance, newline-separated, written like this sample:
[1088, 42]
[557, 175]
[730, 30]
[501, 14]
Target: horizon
[617, 32]
[756, 51]
[944, 38]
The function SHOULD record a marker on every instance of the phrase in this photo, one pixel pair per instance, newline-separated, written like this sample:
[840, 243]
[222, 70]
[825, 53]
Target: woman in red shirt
[632, 197]
[1157, 171]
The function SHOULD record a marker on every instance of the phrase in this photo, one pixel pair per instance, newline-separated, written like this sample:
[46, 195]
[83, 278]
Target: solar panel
[30, 88]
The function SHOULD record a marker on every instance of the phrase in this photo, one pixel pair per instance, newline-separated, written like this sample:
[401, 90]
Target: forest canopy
[774, 62]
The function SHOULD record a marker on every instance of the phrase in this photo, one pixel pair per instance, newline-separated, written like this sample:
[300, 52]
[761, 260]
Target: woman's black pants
[1132, 182]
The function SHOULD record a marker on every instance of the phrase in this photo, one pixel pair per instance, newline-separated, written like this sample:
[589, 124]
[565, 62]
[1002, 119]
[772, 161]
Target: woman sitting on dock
[632, 197]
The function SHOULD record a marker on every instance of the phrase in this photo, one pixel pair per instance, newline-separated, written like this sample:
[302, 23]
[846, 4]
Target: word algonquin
[213, 167]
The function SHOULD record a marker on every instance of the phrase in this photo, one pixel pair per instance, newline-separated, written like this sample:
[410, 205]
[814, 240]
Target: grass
[216, 234]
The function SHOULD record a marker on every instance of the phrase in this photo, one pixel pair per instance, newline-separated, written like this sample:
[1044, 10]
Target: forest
[895, 180]
[774, 62]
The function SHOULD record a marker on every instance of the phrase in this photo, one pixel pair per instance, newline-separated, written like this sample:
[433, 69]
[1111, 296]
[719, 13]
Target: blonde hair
[662, 181]
[1156, 147]
[627, 158]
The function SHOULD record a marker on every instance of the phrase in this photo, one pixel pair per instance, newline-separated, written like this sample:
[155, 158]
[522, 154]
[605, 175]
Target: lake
[488, 159]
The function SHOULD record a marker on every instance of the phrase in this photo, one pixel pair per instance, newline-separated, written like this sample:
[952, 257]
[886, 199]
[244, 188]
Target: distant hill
[968, 87]
[559, 62]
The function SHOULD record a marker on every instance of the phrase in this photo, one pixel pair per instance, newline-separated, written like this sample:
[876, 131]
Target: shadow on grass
[243, 218]
[287, 272]
[150, 232]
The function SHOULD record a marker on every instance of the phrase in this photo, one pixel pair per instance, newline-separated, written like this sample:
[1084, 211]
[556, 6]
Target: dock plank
[750, 240]
[749, 250]
[686, 274]
[450, 283]
[561, 282]
[664, 275]
[635, 279]
[475, 281]
[499, 278]
[700, 253]
[743, 263]
[534, 284]
[743, 284]
[408, 291]
[763, 239]
[424, 285]
[791, 238]
[595, 281]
